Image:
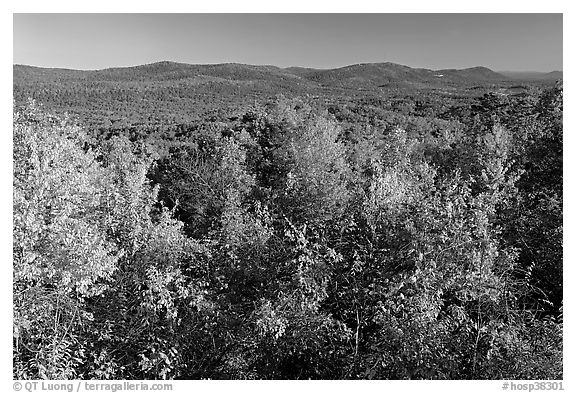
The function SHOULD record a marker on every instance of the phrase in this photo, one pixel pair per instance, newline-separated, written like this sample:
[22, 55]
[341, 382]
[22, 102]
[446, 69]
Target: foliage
[381, 239]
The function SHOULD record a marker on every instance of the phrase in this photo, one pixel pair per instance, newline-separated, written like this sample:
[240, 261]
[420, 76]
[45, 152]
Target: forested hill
[161, 71]
[155, 94]
[382, 74]
[170, 71]
[534, 76]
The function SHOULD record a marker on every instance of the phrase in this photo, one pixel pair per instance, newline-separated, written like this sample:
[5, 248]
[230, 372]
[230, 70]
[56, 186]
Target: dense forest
[173, 221]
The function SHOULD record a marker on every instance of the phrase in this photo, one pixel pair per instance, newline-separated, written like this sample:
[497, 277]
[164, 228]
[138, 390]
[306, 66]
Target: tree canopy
[289, 243]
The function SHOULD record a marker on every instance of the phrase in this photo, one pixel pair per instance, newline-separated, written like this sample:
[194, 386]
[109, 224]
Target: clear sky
[502, 42]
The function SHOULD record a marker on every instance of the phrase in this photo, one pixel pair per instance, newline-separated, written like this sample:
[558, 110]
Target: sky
[502, 42]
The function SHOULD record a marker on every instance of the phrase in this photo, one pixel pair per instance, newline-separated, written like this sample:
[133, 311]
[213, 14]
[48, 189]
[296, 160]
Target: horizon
[500, 42]
[283, 68]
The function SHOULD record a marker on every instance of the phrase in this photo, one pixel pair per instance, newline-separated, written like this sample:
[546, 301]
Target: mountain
[176, 93]
[476, 74]
[358, 75]
[161, 71]
[165, 87]
[533, 75]
[383, 74]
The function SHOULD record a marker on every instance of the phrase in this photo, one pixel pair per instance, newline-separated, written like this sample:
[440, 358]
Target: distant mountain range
[176, 93]
[353, 76]
[533, 75]
[170, 93]
[382, 74]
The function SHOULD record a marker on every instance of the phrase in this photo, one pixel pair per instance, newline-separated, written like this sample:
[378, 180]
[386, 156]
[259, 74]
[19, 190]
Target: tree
[62, 253]
[98, 267]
